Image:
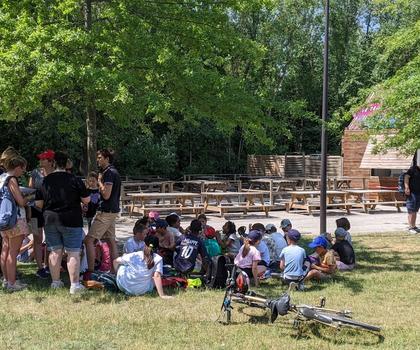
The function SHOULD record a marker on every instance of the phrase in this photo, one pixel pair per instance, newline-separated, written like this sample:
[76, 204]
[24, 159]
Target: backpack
[108, 280]
[8, 207]
[217, 273]
[242, 282]
[174, 282]
[401, 187]
[212, 247]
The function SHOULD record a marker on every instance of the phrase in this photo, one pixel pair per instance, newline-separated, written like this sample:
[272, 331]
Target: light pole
[323, 187]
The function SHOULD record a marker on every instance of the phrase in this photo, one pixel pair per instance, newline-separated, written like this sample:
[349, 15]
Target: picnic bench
[276, 187]
[222, 203]
[204, 185]
[309, 200]
[368, 199]
[335, 183]
[164, 202]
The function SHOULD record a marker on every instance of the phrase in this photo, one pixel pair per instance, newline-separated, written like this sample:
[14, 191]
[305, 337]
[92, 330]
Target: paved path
[386, 219]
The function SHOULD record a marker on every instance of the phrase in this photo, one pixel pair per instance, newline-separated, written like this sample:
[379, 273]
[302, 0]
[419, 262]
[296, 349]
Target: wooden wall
[353, 145]
[292, 165]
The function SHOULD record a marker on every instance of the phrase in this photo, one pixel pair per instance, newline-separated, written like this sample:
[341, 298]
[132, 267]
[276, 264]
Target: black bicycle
[237, 292]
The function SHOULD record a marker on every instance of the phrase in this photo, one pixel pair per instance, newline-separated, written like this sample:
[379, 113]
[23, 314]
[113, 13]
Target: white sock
[56, 282]
[75, 284]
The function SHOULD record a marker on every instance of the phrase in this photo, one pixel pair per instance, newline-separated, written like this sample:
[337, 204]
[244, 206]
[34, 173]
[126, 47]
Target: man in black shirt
[412, 191]
[60, 196]
[103, 224]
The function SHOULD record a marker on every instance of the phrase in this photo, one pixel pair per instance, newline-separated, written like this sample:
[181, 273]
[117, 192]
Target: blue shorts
[59, 237]
[413, 202]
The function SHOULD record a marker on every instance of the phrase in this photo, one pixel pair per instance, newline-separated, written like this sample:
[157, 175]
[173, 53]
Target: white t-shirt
[280, 242]
[236, 243]
[133, 276]
[174, 231]
[132, 246]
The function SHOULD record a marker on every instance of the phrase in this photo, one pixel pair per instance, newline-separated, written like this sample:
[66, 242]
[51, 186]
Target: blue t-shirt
[265, 253]
[112, 204]
[187, 249]
[293, 257]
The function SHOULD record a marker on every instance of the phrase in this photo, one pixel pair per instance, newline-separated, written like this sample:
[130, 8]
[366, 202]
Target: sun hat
[293, 234]
[254, 235]
[269, 227]
[48, 154]
[319, 241]
[210, 232]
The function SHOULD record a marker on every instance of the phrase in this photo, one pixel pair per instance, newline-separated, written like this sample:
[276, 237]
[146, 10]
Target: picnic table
[368, 199]
[163, 186]
[173, 201]
[335, 183]
[309, 200]
[204, 185]
[221, 202]
[276, 187]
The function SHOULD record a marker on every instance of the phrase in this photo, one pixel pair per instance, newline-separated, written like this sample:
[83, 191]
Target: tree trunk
[91, 143]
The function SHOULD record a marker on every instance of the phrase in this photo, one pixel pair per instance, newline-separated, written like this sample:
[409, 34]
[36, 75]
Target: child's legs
[4, 254]
[313, 274]
[38, 248]
[14, 246]
[344, 267]
[55, 258]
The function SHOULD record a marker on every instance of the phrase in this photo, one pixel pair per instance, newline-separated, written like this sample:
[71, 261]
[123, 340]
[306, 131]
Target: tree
[133, 62]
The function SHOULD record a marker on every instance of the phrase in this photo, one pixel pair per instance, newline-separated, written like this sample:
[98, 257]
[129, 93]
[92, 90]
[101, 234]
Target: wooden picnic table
[309, 200]
[276, 187]
[335, 183]
[172, 201]
[205, 185]
[164, 186]
[245, 200]
[368, 199]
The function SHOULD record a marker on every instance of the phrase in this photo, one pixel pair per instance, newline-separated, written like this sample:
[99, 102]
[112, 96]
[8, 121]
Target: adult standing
[103, 224]
[412, 191]
[46, 167]
[61, 196]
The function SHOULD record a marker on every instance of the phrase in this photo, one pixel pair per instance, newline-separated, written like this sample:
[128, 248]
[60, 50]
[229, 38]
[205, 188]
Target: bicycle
[282, 306]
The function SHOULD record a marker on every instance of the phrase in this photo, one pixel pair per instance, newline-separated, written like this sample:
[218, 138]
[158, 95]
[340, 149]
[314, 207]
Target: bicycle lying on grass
[237, 292]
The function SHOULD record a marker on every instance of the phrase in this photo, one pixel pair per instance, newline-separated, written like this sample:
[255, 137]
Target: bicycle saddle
[279, 306]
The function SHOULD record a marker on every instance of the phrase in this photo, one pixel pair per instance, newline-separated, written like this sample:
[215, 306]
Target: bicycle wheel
[334, 320]
[349, 322]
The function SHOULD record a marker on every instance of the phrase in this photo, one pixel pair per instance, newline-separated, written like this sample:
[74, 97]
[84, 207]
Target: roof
[361, 115]
[392, 159]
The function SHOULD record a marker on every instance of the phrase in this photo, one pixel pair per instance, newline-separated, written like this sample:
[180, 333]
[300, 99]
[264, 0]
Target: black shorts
[262, 263]
[37, 214]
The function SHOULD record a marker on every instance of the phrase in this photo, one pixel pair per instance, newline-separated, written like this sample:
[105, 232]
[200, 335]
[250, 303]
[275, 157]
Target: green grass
[383, 290]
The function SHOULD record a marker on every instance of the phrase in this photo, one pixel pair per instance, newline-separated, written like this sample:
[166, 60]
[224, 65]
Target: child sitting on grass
[323, 264]
[140, 272]
[345, 224]
[210, 242]
[292, 259]
[249, 257]
[188, 247]
[136, 243]
[344, 251]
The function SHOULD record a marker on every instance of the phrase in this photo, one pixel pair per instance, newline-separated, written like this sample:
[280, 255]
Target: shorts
[12, 233]
[59, 237]
[37, 214]
[344, 267]
[23, 226]
[262, 263]
[103, 226]
[413, 202]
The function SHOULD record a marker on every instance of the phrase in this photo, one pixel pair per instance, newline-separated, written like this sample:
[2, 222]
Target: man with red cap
[46, 167]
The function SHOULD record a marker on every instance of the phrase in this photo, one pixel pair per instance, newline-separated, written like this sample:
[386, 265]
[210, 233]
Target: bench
[244, 207]
[310, 205]
[145, 209]
[370, 204]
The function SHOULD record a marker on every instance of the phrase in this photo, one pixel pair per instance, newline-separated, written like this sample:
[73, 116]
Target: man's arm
[406, 184]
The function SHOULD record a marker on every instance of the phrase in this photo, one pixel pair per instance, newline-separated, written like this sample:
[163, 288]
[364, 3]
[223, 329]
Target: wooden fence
[293, 165]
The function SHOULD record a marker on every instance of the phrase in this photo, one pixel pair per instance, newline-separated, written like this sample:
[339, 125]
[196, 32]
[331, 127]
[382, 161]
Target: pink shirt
[246, 262]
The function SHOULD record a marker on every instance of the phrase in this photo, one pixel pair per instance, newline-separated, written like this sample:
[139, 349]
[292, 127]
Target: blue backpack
[8, 207]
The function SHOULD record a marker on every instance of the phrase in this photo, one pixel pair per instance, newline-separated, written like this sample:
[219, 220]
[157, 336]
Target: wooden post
[271, 192]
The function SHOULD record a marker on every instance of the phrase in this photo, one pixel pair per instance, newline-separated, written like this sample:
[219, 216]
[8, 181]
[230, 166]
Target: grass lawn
[383, 290]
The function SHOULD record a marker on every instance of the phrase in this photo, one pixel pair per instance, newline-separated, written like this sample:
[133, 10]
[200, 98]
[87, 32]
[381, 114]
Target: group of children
[160, 245]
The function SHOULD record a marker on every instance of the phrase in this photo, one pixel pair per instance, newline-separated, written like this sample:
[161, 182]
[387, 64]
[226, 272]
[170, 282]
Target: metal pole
[323, 194]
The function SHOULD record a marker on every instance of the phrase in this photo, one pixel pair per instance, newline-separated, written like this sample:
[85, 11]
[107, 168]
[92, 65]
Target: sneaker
[301, 287]
[413, 230]
[77, 289]
[16, 287]
[267, 275]
[57, 284]
[293, 286]
[42, 273]
[4, 283]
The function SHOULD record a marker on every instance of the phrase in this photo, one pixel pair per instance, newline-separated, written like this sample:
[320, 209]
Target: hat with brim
[48, 154]
[319, 241]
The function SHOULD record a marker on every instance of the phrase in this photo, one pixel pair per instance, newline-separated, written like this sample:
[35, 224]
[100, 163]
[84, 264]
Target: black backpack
[401, 187]
[217, 273]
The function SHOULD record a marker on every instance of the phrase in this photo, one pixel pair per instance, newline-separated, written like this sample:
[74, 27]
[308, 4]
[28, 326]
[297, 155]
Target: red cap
[210, 232]
[48, 154]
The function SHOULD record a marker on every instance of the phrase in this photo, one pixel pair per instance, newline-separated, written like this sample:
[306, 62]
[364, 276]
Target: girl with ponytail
[140, 272]
[249, 256]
